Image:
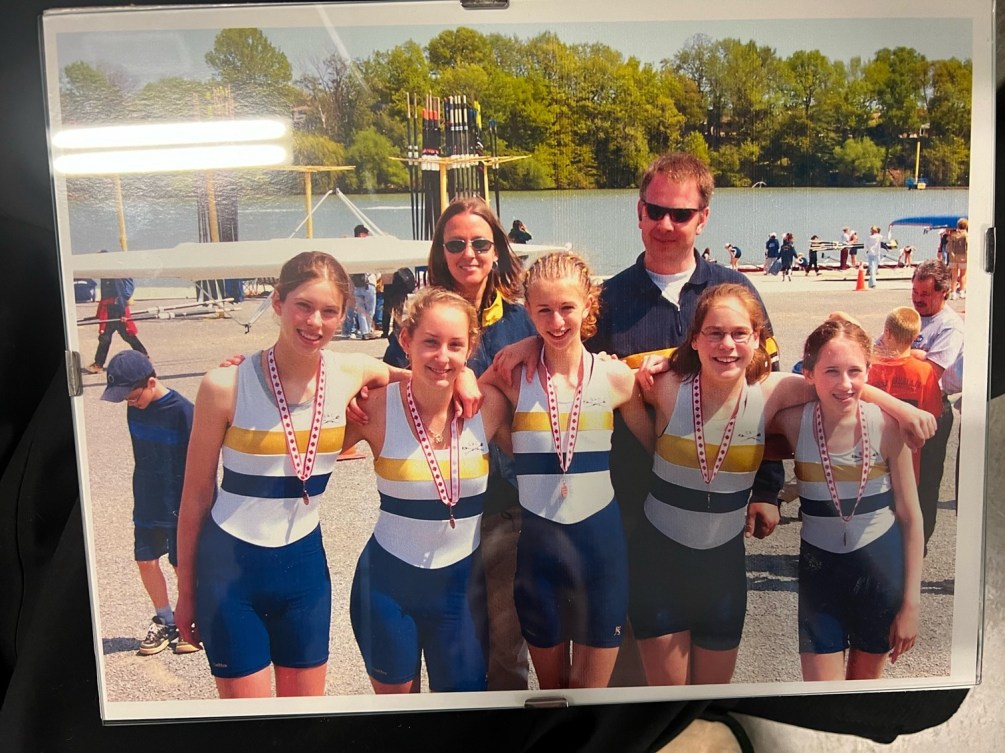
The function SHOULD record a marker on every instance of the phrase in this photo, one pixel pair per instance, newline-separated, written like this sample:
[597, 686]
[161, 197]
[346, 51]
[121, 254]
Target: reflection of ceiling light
[174, 159]
[172, 147]
[170, 134]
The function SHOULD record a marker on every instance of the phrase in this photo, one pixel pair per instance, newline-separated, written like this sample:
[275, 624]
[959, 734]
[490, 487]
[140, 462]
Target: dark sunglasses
[679, 215]
[457, 245]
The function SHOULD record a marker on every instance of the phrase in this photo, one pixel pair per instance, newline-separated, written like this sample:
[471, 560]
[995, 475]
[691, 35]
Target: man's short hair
[678, 167]
[935, 270]
[902, 326]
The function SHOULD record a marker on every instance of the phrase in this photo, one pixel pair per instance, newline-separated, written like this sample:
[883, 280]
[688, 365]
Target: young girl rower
[419, 586]
[861, 545]
[277, 422]
[688, 575]
[571, 578]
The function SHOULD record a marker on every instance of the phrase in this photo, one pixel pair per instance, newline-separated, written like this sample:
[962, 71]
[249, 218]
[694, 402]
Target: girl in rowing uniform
[277, 421]
[419, 586]
[861, 551]
[688, 576]
[571, 577]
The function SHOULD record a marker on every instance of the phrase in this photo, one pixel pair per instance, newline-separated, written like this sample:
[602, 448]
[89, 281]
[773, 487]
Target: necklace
[825, 461]
[564, 456]
[451, 496]
[303, 465]
[709, 474]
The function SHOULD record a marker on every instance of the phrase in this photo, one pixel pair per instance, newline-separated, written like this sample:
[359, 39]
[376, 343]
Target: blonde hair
[430, 298]
[564, 265]
[902, 326]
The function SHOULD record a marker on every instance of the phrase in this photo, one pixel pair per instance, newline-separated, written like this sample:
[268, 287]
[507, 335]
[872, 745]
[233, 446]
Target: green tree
[897, 79]
[858, 161]
[372, 154]
[456, 47]
[258, 73]
[89, 95]
[315, 149]
[169, 99]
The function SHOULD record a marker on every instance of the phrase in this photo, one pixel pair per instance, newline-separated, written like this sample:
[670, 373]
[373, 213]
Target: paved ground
[184, 350]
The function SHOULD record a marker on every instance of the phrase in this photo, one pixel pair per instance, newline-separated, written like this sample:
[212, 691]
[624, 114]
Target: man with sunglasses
[649, 307]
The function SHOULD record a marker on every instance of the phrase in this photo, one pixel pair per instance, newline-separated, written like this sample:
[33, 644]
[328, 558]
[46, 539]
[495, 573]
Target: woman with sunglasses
[688, 591]
[471, 255]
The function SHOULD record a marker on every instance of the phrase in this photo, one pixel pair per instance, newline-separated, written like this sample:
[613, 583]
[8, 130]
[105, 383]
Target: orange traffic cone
[860, 282]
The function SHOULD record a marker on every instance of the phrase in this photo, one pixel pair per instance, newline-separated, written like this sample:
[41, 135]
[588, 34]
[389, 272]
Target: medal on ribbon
[825, 461]
[451, 496]
[303, 464]
[564, 454]
[709, 474]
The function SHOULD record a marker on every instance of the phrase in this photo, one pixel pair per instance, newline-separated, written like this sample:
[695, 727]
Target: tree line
[585, 115]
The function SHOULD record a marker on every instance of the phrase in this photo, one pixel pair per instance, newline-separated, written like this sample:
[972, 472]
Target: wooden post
[308, 200]
[120, 210]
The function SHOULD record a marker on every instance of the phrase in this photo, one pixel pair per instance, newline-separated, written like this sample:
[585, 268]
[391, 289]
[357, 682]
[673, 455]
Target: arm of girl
[789, 390]
[497, 416]
[521, 353]
[627, 398]
[904, 630]
[916, 425]
[214, 407]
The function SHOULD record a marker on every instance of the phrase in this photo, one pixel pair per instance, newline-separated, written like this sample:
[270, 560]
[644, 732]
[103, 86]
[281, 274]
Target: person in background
[771, 251]
[518, 233]
[114, 316]
[853, 247]
[814, 255]
[787, 254]
[895, 371]
[365, 293]
[873, 252]
[956, 252]
[160, 422]
[940, 343]
[734, 256]
[846, 239]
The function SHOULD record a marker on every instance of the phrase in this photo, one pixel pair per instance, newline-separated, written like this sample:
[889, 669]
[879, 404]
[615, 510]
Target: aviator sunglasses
[679, 215]
[457, 245]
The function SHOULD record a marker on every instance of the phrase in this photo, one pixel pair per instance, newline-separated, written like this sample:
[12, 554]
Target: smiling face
[468, 268]
[310, 315]
[839, 374]
[669, 245]
[722, 357]
[557, 308]
[439, 345]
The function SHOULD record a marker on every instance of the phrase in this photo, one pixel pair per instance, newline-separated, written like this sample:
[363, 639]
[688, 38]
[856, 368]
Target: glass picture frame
[558, 85]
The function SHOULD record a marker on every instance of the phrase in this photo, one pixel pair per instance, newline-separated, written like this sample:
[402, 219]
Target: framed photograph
[732, 530]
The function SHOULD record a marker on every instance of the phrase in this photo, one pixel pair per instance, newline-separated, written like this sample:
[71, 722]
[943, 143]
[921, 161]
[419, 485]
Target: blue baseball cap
[125, 371]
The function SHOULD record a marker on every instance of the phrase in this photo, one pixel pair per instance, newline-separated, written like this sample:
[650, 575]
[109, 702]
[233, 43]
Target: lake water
[602, 225]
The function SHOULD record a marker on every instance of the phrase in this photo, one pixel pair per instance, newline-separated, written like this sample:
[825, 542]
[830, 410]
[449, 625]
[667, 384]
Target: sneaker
[182, 646]
[158, 637]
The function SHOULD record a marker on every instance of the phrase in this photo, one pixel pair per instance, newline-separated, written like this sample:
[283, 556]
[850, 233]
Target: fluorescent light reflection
[172, 160]
[171, 134]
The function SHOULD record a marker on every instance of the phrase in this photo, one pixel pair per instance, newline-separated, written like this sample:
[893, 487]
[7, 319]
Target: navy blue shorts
[259, 605]
[676, 588]
[850, 600]
[400, 612]
[153, 542]
[572, 580]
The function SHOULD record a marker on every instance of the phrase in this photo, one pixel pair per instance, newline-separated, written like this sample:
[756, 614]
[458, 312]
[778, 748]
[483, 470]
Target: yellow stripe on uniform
[257, 442]
[682, 451]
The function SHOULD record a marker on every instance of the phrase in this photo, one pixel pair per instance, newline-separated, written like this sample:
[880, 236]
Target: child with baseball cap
[160, 421]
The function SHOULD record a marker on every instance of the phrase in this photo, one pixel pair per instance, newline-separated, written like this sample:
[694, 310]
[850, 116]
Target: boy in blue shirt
[160, 421]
